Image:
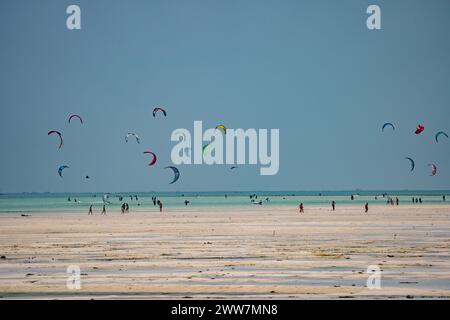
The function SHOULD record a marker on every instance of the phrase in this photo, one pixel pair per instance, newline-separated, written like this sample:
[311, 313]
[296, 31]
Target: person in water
[90, 210]
[122, 209]
[366, 207]
[333, 205]
[397, 201]
[104, 210]
[127, 208]
[160, 206]
[443, 198]
[186, 202]
[301, 208]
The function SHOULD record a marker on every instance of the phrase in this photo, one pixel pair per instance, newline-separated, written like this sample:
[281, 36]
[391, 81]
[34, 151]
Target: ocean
[57, 202]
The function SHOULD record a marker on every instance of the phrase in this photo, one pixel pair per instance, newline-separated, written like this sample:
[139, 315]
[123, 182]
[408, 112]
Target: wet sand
[242, 253]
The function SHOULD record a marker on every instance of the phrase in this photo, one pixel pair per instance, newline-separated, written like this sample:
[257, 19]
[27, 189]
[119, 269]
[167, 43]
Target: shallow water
[48, 202]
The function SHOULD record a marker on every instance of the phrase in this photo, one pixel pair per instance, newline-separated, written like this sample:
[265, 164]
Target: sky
[311, 69]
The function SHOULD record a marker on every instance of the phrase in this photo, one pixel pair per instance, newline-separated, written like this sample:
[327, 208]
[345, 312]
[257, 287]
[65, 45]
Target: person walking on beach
[104, 210]
[366, 207]
[397, 201]
[333, 205]
[90, 211]
[122, 209]
[160, 206]
[301, 208]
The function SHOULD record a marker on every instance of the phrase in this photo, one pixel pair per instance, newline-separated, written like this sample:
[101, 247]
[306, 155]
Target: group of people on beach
[391, 201]
[91, 213]
[125, 208]
[418, 200]
[158, 202]
[301, 207]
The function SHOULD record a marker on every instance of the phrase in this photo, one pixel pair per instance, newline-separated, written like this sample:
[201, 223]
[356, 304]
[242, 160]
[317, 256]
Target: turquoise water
[48, 202]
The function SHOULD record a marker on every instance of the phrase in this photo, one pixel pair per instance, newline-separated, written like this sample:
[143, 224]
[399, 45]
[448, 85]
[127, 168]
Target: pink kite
[419, 129]
[151, 163]
[433, 169]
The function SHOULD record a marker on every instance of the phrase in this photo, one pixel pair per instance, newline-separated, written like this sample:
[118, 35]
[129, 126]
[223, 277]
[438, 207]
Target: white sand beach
[257, 252]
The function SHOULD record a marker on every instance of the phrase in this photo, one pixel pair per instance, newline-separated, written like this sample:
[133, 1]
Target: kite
[433, 169]
[386, 125]
[222, 127]
[159, 109]
[60, 137]
[60, 170]
[132, 134]
[436, 137]
[151, 163]
[75, 116]
[176, 174]
[413, 165]
[419, 129]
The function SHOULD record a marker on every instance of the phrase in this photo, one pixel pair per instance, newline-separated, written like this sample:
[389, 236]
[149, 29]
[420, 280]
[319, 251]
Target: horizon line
[355, 191]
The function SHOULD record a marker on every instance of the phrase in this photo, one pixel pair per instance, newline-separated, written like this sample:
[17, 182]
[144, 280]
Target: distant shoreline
[430, 192]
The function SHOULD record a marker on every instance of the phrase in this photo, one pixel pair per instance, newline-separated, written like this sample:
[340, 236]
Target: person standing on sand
[333, 205]
[366, 207]
[104, 210]
[90, 211]
[122, 209]
[301, 208]
[397, 201]
[160, 206]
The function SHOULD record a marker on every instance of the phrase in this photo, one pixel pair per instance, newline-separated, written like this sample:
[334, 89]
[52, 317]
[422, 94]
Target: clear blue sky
[310, 68]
